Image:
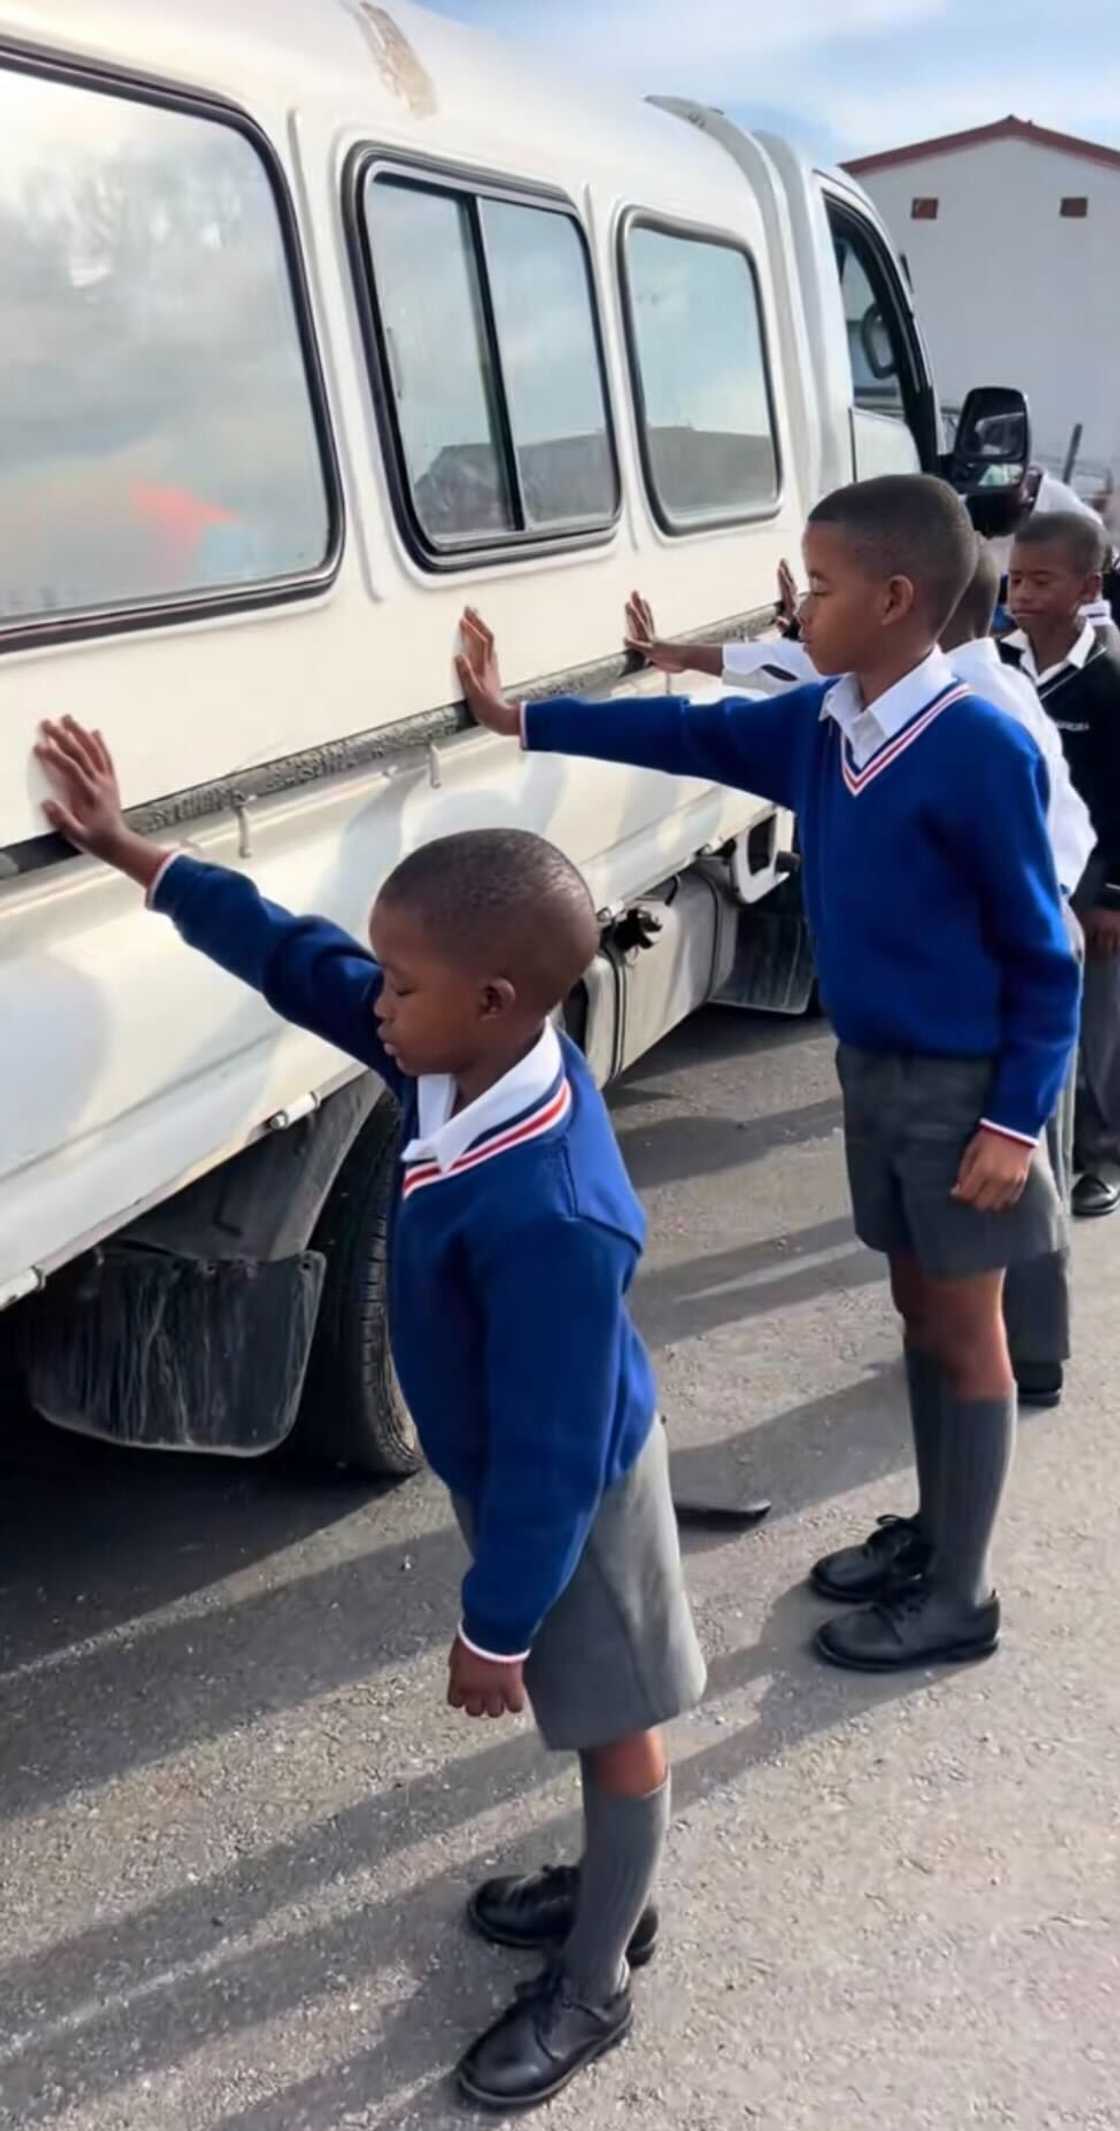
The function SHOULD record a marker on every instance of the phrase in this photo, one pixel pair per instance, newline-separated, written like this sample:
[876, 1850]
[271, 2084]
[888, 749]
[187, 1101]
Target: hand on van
[642, 638]
[789, 599]
[87, 809]
[480, 680]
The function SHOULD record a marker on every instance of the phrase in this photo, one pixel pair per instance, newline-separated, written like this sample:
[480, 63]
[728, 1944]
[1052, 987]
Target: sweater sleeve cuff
[152, 897]
[492, 1657]
[1022, 1139]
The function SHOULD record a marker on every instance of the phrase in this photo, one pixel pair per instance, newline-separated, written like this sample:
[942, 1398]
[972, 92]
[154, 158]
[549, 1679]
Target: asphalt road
[237, 1827]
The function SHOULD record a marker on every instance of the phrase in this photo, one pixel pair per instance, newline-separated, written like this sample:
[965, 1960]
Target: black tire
[352, 1412]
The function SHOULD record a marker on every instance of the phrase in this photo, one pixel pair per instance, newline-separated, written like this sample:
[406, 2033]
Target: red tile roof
[1003, 129]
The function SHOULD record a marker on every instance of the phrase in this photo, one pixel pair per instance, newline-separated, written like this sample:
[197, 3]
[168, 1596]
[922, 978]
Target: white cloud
[870, 73]
[708, 47]
[889, 112]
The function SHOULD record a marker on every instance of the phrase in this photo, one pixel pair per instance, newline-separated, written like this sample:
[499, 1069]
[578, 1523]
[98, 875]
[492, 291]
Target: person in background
[944, 962]
[1036, 1298]
[999, 515]
[1055, 574]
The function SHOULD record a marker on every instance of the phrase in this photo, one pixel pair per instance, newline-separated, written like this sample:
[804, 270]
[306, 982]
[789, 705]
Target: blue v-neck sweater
[529, 1385]
[929, 878]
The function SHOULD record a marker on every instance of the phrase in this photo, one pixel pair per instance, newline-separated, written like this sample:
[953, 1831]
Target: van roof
[395, 65]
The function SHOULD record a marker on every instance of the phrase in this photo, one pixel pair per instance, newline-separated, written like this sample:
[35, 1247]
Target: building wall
[1008, 291]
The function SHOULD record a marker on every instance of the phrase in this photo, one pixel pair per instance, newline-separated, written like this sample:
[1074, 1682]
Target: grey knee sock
[978, 1437]
[924, 1377]
[624, 1841]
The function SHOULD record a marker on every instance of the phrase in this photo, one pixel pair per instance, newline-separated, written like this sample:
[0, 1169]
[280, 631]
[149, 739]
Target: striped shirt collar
[1078, 655]
[524, 1093]
[866, 730]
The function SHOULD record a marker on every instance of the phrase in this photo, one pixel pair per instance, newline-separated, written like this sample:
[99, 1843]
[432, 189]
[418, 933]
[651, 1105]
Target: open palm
[480, 677]
[86, 807]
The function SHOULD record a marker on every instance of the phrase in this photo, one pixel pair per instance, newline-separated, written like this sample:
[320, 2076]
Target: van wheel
[352, 1412]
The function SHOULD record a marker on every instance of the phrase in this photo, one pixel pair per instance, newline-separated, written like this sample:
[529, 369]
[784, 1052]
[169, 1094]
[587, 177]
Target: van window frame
[214, 602]
[700, 233]
[916, 388]
[364, 161]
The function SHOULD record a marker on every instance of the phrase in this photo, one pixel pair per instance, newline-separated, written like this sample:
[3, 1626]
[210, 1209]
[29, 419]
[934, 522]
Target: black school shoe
[895, 1555]
[536, 1914]
[540, 2043]
[1094, 1196]
[918, 1626]
[1040, 1384]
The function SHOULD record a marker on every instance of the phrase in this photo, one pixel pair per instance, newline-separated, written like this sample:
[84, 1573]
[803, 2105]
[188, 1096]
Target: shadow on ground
[108, 2003]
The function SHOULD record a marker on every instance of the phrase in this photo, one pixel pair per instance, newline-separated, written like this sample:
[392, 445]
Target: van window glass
[700, 365]
[875, 341]
[157, 434]
[486, 334]
[546, 336]
[440, 368]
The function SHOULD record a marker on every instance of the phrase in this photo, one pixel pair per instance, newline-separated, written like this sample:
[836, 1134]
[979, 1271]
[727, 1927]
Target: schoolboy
[1036, 1299]
[943, 958]
[516, 1237]
[1055, 571]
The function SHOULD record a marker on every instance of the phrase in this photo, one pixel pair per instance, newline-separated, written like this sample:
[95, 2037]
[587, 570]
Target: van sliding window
[163, 445]
[485, 335]
[701, 377]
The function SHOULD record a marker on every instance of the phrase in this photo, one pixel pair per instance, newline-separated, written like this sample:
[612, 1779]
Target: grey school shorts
[618, 1652]
[907, 1122]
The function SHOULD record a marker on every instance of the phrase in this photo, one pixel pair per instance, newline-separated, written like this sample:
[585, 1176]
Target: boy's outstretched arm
[310, 971]
[753, 746]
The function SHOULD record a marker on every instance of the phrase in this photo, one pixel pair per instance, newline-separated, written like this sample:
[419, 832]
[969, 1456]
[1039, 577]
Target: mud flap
[773, 971]
[159, 1352]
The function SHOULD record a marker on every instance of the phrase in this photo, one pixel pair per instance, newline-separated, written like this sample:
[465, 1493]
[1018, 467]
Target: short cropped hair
[907, 525]
[1082, 540]
[975, 610]
[504, 902]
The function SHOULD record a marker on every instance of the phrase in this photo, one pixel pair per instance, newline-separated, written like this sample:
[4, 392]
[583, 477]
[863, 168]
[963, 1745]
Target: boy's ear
[497, 996]
[898, 603]
[1094, 587]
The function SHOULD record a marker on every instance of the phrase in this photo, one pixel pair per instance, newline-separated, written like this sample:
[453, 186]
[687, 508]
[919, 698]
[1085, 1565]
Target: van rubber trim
[394, 747]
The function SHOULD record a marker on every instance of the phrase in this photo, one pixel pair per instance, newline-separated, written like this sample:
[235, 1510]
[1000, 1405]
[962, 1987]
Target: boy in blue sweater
[944, 963]
[516, 1238]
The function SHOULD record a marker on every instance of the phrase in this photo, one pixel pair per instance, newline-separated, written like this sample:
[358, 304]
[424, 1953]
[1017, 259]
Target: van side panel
[138, 1066]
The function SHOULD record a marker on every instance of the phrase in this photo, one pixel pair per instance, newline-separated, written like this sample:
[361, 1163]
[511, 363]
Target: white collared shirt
[1076, 656]
[866, 729]
[869, 728]
[980, 667]
[1067, 816]
[442, 1137]
[784, 657]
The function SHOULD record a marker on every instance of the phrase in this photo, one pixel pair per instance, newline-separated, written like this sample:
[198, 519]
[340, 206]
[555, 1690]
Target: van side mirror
[992, 446]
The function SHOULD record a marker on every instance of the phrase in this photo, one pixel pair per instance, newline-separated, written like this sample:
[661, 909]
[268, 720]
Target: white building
[1012, 238]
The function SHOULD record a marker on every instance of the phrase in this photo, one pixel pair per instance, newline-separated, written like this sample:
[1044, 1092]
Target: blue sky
[849, 76]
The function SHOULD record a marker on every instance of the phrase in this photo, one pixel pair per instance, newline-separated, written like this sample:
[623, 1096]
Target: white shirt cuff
[489, 1655]
[521, 710]
[1022, 1139]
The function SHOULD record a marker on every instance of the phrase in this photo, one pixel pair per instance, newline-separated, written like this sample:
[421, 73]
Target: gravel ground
[238, 1826]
